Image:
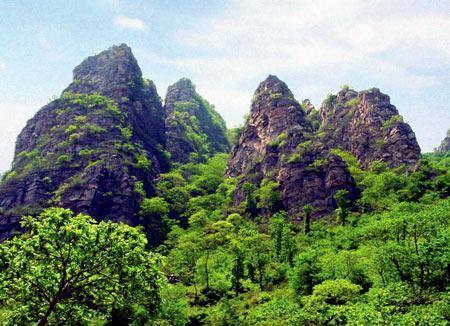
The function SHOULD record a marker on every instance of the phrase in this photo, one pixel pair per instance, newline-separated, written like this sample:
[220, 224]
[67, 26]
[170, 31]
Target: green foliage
[275, 96]
[269, 197]
[142, 162]
[139, 189]
[330, 99]
[279, 141]
[345, 87]
[94, 129]
[86, 152]
[294, 158]
[343, 202]
[353, 102]
[71, 129]
[127, 133]
[385, 261]
[67, 265]
[352, 163]
[395, 119]
[154, 206]
[63, 159]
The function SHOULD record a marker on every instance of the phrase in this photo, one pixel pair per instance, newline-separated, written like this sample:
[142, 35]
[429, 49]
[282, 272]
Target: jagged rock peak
[367, 125]
[445, 144]
[277, 148]
[273, 86]
[92, 148]
[183, 90]
[113, 72]
[274, 111]
[195, 130]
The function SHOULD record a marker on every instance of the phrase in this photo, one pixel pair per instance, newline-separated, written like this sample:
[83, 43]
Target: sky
[228, 47]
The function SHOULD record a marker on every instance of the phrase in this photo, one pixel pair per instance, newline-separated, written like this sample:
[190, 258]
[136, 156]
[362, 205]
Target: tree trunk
[206, 270]
[50, 309]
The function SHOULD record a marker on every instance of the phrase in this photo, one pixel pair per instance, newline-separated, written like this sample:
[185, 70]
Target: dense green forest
[382, 260]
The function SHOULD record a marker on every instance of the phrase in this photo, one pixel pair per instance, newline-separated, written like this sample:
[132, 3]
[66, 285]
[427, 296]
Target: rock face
[92, 148]
[367, 125]
[295, 148]
[277, 151]
[445, 144]
[194, 129]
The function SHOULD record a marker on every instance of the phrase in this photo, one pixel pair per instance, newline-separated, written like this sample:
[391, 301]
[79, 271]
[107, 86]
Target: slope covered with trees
[132, 212]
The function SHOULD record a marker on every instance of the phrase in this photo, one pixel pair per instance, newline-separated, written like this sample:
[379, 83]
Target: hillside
[120, 209]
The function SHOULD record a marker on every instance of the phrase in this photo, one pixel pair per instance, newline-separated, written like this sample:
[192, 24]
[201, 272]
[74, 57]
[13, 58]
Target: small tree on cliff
[69, 269]
[343, 202]
[308, 209]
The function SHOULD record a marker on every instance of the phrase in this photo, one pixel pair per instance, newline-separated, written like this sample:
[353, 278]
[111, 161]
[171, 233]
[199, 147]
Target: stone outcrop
[367, 125]
[91, 149]
[295, 148]
[445, 144]
[195, 130]
[277, 147]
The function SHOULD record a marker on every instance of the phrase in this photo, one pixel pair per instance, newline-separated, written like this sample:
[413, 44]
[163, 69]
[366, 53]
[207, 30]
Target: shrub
[127, 133]
[86, 152]
[345, 87]
[95, 129]
[393, 120]
[294, 158]
[279, 141]
[70, 129]
[62, 159]
[353, 102]
[330, 99]
[139, 189]
[142, 162]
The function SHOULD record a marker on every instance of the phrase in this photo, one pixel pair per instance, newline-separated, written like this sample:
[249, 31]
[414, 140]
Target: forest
[121, 208]
[382, 260]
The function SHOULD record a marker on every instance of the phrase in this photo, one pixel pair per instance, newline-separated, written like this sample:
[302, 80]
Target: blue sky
[228, 47]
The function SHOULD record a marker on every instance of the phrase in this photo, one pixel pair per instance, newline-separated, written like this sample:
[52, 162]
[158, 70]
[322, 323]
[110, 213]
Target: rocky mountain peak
[195, 130]
[181, 91]
[274, 111]
[445, 144]
[277, 149]
[114, 73]
[367, 125]
[97, 149]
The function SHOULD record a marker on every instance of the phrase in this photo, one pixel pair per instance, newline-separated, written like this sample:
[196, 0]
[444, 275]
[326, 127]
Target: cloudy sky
[228, 47]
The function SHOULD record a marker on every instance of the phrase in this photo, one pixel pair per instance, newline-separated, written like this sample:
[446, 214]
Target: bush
[62, 159]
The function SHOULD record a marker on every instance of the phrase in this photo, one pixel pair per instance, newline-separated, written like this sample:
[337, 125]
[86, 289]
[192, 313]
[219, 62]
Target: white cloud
[326, 39]
[43, 42]
[2, 65]
[130, 23]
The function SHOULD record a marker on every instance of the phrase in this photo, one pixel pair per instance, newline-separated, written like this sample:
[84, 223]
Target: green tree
[68, 268]
[237, 271]
[343, 202]
[308, 209]
[250, 204]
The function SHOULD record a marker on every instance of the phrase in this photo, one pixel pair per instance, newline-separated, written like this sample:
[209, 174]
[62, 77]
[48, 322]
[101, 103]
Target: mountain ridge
[101, 146]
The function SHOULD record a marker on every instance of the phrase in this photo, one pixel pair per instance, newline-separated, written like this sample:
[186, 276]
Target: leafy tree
[154, 216]
[237, 272]
[342, 200]
[250, 203]
[308, 209]
[68, 269]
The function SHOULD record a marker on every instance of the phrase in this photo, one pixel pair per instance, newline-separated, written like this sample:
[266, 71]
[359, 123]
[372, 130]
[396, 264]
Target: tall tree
[70, 268]
[307, 209]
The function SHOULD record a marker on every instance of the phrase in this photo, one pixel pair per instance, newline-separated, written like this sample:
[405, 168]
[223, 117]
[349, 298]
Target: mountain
[90, 149]
[297, 151]
[367, 125]
[195, 130]
[445, 144]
